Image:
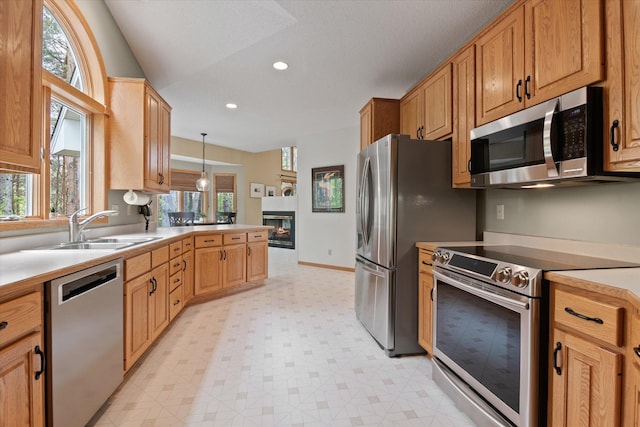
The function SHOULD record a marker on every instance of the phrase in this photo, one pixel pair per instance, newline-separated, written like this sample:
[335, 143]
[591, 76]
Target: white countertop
[623, 278]
[43, 265]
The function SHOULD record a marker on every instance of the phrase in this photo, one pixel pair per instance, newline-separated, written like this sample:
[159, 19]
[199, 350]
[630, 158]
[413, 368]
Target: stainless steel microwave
[557, 142]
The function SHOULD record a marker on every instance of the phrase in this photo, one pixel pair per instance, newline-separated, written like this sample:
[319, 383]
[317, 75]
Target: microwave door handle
[552, 170]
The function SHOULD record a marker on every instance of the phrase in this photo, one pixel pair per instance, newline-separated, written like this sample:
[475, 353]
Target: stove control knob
[445, 257]
[520, 279]
[503, 275]
[435, 257]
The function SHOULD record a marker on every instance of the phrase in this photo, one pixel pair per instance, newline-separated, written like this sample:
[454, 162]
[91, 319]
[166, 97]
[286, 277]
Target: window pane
[68, 160]
[167, 203]
[193, 203]
[57, 54]
[224, 202]
[16, 194]
[295, 159]
[286, 158]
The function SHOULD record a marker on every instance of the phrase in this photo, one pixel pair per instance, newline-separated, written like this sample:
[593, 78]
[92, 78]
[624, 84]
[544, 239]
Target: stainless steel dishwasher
[84, 336]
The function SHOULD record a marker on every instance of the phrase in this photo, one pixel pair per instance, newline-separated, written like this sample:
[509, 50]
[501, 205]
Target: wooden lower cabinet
[22, 359]
[234, 265]
[587, 389]
[208, 270]
[21, 392]
[146, 312]
[425, 300]
[257, 261]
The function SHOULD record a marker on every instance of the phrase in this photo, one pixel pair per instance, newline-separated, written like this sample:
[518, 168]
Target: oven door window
[482, 338]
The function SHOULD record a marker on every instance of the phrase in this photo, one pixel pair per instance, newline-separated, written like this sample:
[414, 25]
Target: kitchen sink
[105, 243]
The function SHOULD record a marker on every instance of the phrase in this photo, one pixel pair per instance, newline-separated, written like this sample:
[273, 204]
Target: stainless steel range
[491, 328]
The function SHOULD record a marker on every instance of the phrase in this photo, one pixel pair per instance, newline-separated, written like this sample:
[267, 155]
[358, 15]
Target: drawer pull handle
[555, 358]
[598, 320]
[184, 265]
[176, 280]
[257, 236]
[43, 361]
[3, 324]
[210, 241]
[425, 262]
[176, 265]
[177, 302]
[235, 238]
[637, 350]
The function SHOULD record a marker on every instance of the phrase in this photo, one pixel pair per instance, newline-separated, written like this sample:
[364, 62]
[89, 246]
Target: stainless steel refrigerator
[404, 196]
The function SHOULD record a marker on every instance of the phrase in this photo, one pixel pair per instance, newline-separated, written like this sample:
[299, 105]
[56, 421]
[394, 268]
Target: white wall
[603, 213]
[317, 233]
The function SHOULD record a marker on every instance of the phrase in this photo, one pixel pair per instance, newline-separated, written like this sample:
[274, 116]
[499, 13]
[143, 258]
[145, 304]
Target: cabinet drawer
[424, 261]
[601, 320]
[257, 236]
[176, 302]
[159, 256]
[175, 265]
[187, 244]
[133, 267]
[206, 241]
[175, 280]
[19, 316]
[235, 238]
[175, 249]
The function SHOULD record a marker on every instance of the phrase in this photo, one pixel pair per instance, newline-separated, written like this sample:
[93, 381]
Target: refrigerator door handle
[364, 200]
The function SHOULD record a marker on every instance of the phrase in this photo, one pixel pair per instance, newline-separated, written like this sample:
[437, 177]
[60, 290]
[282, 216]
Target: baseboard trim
[331, 267]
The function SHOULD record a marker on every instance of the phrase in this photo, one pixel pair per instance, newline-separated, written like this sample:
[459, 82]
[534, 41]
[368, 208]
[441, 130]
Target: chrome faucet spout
[76, 227]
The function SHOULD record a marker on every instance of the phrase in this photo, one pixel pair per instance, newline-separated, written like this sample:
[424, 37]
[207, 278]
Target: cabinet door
[588, 390]
[234, 265]
[187, 275]
[623, 84]
[208, 270]
[499, 69]
[410, 113]
[20, 74]
[137, 331]
[159, 300]
[257, 261]
[464, 118]
[164, 160]
[366, 121]
[564, 47]
[425, 311]
[436, 95]
[21, 397]
[153, 153]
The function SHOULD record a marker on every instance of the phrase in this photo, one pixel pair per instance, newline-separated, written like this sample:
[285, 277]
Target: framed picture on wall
[257, 190]
[327, 189]
[271, 190]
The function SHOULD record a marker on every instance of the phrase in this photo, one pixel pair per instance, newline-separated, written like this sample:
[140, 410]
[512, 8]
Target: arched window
[73, 113]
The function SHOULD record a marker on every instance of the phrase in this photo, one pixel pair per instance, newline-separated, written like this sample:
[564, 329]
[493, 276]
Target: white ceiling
[202, 54]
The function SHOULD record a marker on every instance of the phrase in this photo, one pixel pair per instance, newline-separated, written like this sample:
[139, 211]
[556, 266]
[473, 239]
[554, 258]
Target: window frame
[92, 102]
[293, 154]
[215, 192]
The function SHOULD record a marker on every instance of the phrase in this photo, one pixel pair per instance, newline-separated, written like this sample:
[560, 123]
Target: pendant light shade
[202, 184]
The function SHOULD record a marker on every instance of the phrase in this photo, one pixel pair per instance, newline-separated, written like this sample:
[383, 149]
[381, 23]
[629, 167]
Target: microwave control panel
[574, 123]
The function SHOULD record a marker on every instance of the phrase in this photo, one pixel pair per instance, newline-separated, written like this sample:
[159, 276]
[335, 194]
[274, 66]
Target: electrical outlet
[329, 252]
[499, 211]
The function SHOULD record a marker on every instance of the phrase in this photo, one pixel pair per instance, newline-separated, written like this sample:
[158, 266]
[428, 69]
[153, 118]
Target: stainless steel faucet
[76, 233]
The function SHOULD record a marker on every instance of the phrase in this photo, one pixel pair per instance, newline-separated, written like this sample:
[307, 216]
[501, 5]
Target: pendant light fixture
[202, 184]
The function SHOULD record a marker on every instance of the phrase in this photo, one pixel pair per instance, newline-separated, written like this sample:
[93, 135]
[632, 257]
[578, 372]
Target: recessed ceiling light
[232, 106]
[280, 65]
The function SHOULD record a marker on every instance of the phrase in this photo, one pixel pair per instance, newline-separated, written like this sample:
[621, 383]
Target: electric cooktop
[539, 258]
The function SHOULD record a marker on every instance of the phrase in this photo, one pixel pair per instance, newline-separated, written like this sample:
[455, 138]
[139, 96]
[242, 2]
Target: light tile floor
[290, 353]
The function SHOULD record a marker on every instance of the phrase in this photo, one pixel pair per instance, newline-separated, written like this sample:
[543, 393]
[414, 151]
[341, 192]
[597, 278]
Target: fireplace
[283, 234]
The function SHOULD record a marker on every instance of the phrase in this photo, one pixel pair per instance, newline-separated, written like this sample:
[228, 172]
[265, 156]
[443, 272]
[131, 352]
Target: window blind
[224, 183]
[184, 180]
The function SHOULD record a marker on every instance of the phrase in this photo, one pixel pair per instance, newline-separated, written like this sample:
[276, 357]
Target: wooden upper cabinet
[410, 114]
[535, 52]
[426, 111]
[464, 118]
[140, 137]
[379, 117]
[436, 95]
[20, 84]
[499, 68]
[622, 118]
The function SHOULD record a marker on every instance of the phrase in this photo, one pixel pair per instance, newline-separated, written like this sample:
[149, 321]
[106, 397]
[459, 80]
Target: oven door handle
[509, 303]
